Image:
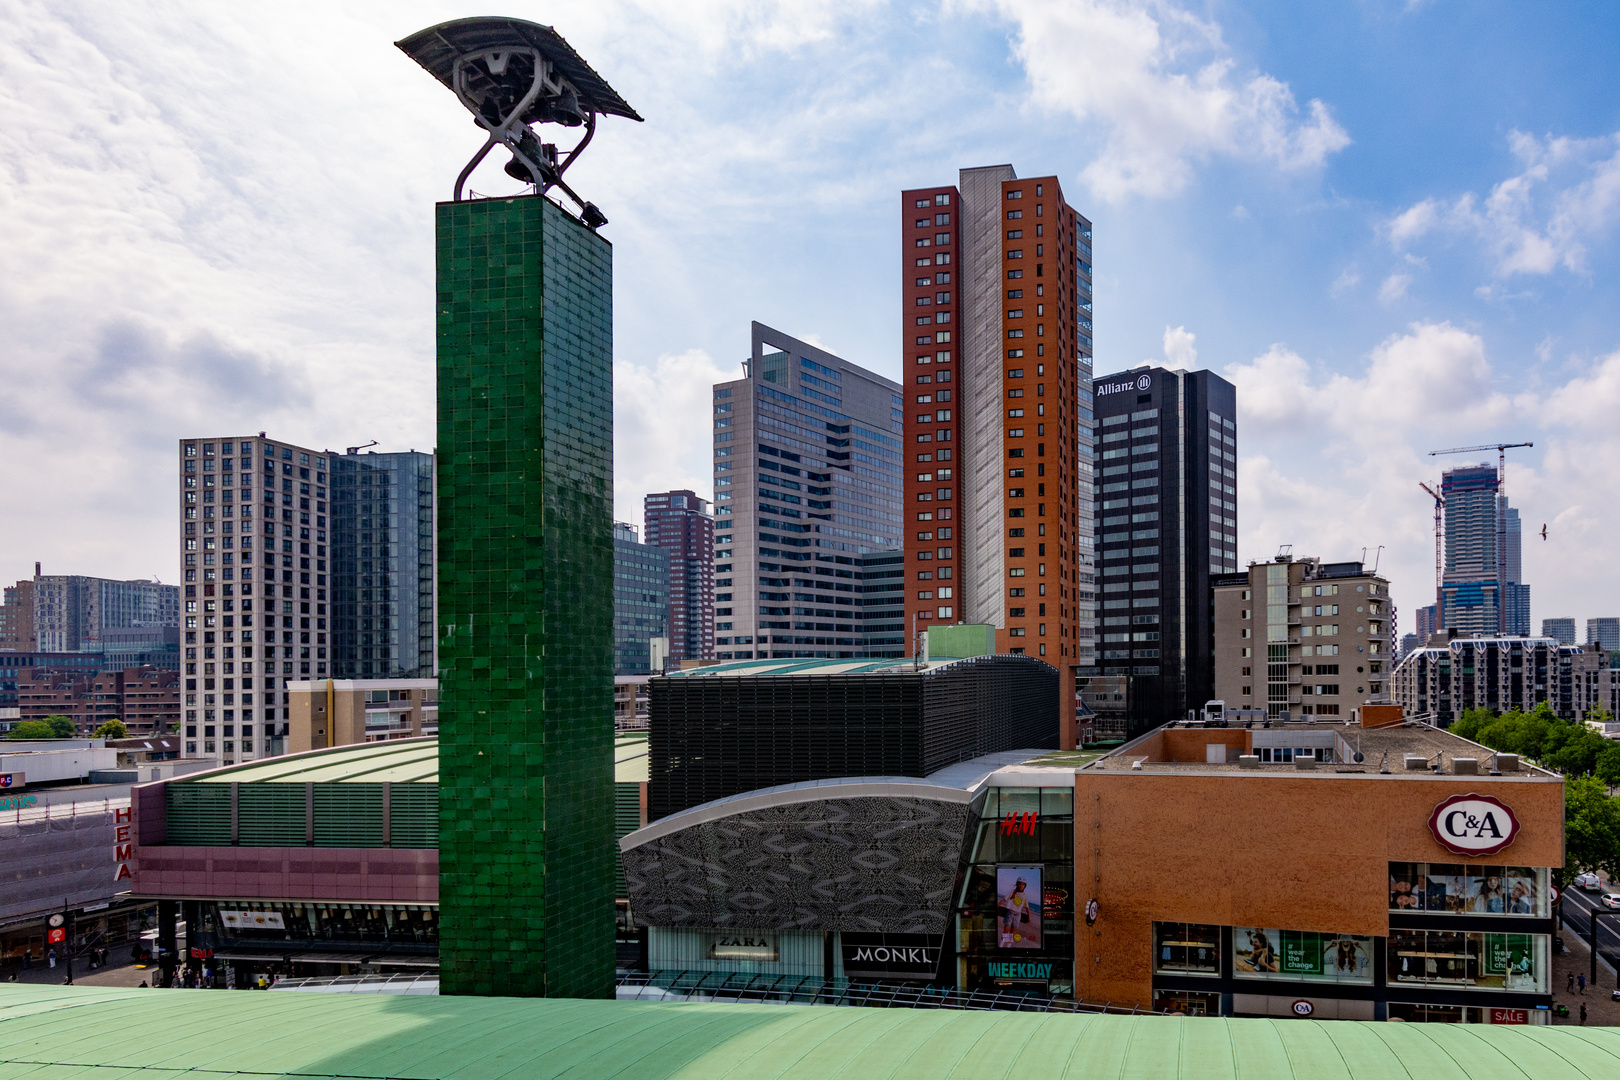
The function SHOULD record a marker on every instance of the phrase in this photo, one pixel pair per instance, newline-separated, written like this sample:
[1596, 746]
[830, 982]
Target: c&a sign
[1474, 824]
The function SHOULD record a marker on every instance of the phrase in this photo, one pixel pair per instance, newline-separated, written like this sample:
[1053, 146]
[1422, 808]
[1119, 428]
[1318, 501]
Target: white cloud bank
[1566, 196]
[1164, 87]
[1331, 462]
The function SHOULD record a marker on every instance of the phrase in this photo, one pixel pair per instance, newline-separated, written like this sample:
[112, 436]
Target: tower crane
[1501, 519]
[1439, 559]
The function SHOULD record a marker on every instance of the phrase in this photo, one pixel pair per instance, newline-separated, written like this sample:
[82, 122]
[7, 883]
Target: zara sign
[1474, 824]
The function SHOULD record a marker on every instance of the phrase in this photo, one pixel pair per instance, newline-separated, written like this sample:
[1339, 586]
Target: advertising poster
[1302, 954]
[1018, 907]
[1255, 950]
[252, 920]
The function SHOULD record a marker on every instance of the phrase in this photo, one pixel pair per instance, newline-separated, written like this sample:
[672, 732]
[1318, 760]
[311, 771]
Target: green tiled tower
[525, 379]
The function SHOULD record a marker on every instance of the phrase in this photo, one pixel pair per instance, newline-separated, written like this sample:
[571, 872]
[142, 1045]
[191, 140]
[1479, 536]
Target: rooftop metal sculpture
[511, 74]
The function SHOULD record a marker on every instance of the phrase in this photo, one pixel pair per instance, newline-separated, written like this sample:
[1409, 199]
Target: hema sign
[1474, 824]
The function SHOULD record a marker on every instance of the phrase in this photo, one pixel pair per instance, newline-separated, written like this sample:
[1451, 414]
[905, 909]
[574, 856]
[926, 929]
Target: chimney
[36, 568]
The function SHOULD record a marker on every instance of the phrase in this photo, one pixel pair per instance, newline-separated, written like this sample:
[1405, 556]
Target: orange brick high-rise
[998, 365]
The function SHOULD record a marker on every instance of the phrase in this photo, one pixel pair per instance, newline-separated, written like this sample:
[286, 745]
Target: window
[1511, 962]
[1457, 889]
[1300, 955]
[1186, 949]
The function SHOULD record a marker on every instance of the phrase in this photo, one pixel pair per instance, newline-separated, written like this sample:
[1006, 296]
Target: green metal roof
[630, 758]
[48, 1033]
[398, 761]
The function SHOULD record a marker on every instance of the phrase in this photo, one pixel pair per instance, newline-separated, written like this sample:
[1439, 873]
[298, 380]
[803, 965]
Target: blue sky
[1392, 224]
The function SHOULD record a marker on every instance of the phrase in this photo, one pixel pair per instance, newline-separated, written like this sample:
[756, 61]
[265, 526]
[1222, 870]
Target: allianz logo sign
[1141, 383]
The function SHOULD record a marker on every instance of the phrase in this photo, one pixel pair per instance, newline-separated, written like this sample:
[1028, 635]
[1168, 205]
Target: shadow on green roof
[51, 1032]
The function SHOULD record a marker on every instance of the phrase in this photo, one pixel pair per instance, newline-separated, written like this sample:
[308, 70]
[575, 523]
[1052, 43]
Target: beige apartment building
[341, 712]
[1303, 637]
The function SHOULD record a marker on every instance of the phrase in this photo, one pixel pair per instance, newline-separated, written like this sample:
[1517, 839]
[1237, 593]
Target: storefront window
[1015, 914]
[1187, 1004]
[1300, 955]
[1187, 949]
[1465, 1014]
[1459, 889]
[1516, 962]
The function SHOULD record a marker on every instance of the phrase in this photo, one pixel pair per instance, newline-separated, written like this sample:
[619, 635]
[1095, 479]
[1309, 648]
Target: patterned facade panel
[880, 864]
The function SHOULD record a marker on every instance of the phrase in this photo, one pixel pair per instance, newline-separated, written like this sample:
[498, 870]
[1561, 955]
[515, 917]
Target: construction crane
[1439, 558]
[1501, 520]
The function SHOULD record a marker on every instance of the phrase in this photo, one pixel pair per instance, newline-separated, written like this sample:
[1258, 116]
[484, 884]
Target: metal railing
[812, 990]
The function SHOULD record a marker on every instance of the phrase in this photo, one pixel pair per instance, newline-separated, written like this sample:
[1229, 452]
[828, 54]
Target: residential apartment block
[145, 699]
[342, 712]
[683, 526]
[254, 559]
[997, 314]
[1302, 638]
[1454, 672]
[1482, 589]
[60, 613]
[807, 476]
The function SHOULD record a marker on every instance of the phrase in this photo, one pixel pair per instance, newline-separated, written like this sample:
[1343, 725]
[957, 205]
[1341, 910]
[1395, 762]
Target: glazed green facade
[525, 383]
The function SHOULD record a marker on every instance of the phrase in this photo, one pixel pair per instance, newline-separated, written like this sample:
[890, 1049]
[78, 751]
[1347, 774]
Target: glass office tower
[382, 566]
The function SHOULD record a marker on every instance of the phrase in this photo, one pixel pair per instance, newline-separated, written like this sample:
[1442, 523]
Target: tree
[112, 729]
[1591, 828]
[1608, 765]
[52, 727]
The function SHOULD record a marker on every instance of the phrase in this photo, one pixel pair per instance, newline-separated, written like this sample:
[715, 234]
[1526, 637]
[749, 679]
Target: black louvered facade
[717, 735]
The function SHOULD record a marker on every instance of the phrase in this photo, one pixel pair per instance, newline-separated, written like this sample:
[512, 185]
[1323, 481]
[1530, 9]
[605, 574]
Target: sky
[1391, 224]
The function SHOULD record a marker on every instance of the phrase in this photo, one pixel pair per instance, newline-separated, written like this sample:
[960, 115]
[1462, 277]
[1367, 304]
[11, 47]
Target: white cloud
[1393, 289]
[1180, 348]
[1566, 196]
[1331, 462]
[663, 427]
[1165, 89]
[1347, 280]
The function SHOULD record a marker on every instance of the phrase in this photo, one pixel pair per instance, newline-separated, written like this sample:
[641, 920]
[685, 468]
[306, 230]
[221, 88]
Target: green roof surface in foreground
[51, 1032]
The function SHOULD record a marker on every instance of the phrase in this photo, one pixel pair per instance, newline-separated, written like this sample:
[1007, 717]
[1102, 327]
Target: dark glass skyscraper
[382, 566]
[1166, 510]
[682, 525]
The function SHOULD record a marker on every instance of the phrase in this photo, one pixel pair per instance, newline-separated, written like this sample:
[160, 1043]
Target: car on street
[1588, 882]
[1610, 900]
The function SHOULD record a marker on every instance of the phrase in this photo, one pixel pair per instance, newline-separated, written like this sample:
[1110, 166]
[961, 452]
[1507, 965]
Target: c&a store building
[1395, 873]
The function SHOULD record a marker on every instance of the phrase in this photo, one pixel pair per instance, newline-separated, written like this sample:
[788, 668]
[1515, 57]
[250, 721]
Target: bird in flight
[1544, 532]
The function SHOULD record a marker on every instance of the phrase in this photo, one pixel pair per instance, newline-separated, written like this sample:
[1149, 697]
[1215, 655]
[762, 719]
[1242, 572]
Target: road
[1578, 905]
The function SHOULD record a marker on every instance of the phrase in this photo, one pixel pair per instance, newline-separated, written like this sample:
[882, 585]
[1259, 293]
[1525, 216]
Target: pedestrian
[50, 958]
[1571, 982]
[1580, 980]
[1583, 1013]
[28, 959]
[142, 986]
